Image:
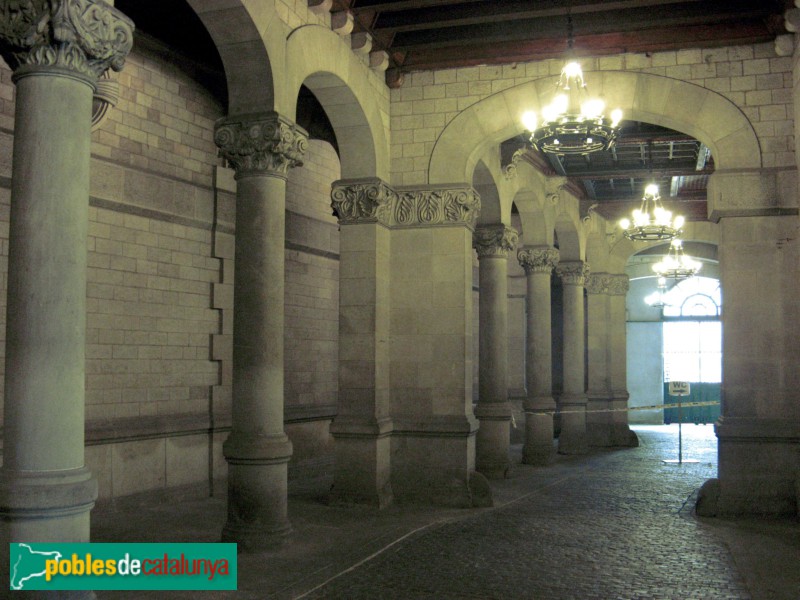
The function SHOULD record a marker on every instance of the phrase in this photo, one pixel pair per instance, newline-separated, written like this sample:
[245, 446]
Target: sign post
[679, 389]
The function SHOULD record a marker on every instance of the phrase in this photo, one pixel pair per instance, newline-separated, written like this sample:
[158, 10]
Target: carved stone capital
[598, 283]
[573, 272]
[538, 260]
[436, 207]
[85, 37]
[261, 144]
[362, 201]
[494, 241]
[618, 285]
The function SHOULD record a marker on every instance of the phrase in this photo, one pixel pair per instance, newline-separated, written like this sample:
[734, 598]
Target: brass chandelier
[573, 122]
[652, 222]
[676, 264]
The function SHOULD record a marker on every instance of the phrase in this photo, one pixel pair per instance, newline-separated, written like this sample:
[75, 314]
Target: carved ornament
[364, 201]
[538, 260]
[618, 285]
[598, 283]
[436, 207]
[494, 241]
[261, 144]
[86, 37]
[573, 272]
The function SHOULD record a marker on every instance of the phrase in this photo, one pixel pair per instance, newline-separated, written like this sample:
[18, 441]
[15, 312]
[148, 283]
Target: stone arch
[679, 105]
[249, 37]
[485, 184]
[316, 57]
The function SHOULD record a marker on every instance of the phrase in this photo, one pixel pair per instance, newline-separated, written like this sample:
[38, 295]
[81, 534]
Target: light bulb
[679, 220]
[651, 190]
[572, 70]
[593, 108]
[616, 117]
[529, 120]
[624, 223]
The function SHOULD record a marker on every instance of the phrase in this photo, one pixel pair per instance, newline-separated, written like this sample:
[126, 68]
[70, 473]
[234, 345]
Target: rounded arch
[569, 238]
[249, 37]
[687, 107]
[484, 183]
[317, 58]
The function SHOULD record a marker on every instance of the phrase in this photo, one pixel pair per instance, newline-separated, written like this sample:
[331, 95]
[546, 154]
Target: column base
[44, 506]
[758, 469]
[623, 437]
[598, 421]
[257, 491]
[493, 439]
[362, 472]
[433, 462]
[539, 435]
[573, 438]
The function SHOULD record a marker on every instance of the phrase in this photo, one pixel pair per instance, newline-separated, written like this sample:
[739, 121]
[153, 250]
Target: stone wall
[752, 77]
[159, 292]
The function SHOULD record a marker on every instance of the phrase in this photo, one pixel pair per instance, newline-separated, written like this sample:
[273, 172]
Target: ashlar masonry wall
[753, 77]
[160, 281]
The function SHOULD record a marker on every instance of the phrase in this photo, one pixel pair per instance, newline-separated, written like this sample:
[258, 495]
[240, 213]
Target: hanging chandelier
[651, 222]
[676, 265]
[656, 299]
[573, 122]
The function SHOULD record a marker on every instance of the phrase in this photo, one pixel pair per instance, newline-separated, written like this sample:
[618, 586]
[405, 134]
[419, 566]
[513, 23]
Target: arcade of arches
[225, 326]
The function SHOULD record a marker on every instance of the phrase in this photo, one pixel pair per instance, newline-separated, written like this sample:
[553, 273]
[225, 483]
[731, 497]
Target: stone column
[493, 243]
[363, 426]
[598, 416]
[58, 50]
[621, 434]
[539, 405]
[573, 438]
[261, 148]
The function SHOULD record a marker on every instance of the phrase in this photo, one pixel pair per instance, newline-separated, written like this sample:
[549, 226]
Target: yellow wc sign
[679, 388]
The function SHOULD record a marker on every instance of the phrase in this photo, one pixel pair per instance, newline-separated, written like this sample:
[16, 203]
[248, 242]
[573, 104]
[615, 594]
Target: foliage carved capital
[618, 285]
[86, 37]
[573, 272]
[362, 201]
[437, 207]
[266, 144]
[538, 260]
[598, 283]
[494, 241]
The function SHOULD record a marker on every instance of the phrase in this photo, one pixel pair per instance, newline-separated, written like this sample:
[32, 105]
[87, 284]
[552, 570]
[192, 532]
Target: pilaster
[539, 406]
[363, 425]
[57, 50]
[617, 290]
[599, 396]
[493, 244]
[261, 148]
[758, 259]
[573, 438]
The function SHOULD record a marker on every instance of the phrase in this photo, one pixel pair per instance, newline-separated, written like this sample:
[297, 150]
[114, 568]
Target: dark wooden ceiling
[439, 34]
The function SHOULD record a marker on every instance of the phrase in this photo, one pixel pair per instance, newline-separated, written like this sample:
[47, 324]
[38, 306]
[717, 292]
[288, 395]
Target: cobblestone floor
[614, 524]
[618, 526]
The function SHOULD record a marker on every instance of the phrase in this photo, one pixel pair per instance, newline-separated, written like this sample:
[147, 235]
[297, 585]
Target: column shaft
[598, 417]
[46, 493]
[539, 405]
[621, 434]
[261, 148]
[493, 410]
[572, 439]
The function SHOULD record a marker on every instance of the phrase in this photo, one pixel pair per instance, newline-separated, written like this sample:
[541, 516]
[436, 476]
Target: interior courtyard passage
[607, 525]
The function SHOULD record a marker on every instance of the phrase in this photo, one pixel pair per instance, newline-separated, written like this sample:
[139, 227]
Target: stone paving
[611, 525]
[618, 526]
